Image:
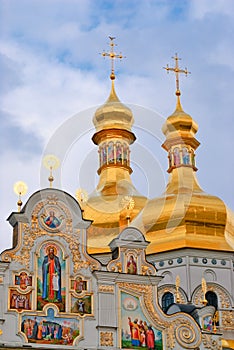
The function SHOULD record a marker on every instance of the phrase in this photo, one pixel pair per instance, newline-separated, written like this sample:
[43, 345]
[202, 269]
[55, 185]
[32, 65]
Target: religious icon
[111, 152]
[52, 221]
[118, 153]
[82, 306]
[20, 301]
[131, 266]
[185, 155]
[51, 276]
[80, 285]
[125, 153]
[176, 154]
[23, 280]
[50, 329]
[136, 330]
[103, 154]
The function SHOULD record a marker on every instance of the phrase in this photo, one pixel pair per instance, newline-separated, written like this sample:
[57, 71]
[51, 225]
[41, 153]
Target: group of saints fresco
[51, 291]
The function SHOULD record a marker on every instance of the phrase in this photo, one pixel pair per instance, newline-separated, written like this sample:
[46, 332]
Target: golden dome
[113, 114]
[109, 205]
[185, 216]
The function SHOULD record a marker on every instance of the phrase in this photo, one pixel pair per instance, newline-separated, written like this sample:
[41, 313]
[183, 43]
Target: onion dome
[185, 216]
[115, 201]
[113, 114]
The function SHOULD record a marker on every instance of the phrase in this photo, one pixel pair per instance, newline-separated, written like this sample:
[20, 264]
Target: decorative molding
[223, 296]
[172, 289]
[210, 343]
[106, 289]
[32, 231]
[228, 320]
[106, 339]
[180, 329]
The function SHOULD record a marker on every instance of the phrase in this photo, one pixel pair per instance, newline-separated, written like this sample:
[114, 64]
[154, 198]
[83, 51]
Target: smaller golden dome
[113, 114]
[180, 125]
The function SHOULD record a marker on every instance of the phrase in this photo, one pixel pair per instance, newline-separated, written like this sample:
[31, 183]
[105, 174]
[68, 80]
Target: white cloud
[203, 8]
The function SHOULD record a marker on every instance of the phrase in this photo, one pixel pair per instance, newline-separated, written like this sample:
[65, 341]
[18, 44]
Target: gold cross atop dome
[112, 55]
[177, 70]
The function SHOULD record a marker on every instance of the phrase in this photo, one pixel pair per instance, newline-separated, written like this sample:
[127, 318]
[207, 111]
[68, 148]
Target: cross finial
[112, 55]
[177, 70]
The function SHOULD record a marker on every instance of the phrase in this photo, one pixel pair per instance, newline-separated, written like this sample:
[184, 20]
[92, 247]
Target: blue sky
[53, 79]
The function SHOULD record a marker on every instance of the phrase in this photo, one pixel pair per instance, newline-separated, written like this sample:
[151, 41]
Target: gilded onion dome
[113, 114]
[115, 201]
[185, 216]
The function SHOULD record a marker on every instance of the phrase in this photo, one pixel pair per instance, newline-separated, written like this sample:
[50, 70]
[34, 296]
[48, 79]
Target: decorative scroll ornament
[106, 339]
[185, 335]
[181, 329]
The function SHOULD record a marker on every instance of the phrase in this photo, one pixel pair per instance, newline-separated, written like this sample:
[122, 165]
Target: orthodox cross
[177, 70]
[112, 55]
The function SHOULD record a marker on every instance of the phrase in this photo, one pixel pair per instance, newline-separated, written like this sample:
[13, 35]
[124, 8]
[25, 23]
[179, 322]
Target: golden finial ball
[112, 76]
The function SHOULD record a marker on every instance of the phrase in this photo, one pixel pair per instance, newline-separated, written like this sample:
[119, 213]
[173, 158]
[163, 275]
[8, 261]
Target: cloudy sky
[53, 78]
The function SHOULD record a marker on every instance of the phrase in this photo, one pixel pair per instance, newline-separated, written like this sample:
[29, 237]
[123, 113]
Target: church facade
[147, 274]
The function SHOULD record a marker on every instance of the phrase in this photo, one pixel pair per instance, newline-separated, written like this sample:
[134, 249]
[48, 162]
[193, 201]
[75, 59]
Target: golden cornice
[122, 166]
[179, 139]
[111, 133]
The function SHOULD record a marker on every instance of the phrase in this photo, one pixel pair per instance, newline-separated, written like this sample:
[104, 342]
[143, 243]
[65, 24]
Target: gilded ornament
[228, 320]
[106, 338]
[106, 289]
[210, 343]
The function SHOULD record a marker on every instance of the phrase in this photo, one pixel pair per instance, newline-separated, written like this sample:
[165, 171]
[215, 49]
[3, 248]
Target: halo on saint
[51, 247]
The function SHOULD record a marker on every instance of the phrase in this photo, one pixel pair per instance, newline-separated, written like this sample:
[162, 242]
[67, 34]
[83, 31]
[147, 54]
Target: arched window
[212, 299]
[167, 300]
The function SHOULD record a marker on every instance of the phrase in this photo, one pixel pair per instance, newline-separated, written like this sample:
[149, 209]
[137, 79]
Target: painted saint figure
[51, 277]
[52, 221]
[135, 332]
[176, 154]
[185, 155]
[131, 266]
[150, 338]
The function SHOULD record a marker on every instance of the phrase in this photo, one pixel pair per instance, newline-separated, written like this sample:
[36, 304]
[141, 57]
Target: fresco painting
[51, 275]
[23, 280]
[207, 323]
[50, 329]
[79, 285]
[136, 330]
[19, 301]
[82, 305]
